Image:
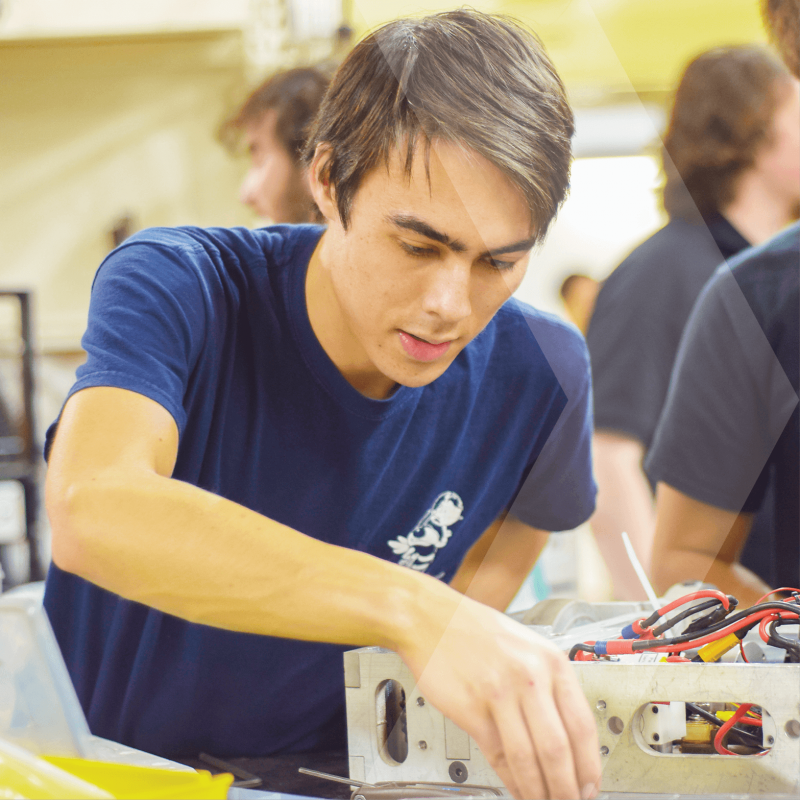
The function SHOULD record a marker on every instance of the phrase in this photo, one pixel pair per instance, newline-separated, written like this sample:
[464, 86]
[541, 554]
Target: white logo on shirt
[430, 534]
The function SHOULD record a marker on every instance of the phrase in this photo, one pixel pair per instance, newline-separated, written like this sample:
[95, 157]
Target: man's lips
[422, 350]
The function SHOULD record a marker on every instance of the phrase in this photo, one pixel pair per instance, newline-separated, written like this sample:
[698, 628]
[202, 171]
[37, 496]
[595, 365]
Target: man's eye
[417, 251]
[501, 265]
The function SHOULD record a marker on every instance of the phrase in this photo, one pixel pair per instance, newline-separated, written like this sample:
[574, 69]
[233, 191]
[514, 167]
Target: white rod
[637, 565]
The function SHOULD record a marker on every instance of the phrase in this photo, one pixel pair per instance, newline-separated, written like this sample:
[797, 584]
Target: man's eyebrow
[421, 227]
[516, 247]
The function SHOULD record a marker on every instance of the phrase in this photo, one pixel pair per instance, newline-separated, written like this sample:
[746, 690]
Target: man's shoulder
[768, 276]
[677, 247]
[274, 243]
[535, 336]
[775, 262]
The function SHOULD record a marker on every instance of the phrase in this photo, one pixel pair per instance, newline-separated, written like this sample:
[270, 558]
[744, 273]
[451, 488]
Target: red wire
[712, 637]
[688, 598]
[782, 589]
[741, 648]
[723, 731]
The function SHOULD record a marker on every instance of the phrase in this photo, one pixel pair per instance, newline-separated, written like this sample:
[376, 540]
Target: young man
[730, 423]
[730, 158]
[278, 433]
[273, 123]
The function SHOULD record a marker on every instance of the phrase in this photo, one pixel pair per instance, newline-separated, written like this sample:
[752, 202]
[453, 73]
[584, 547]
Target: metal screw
[601, 704]
[655, 709]
[770, 740]
[458, 772]
[359, 797]
[420, 701]
[656, 737]
[603, 752]
[422, 744]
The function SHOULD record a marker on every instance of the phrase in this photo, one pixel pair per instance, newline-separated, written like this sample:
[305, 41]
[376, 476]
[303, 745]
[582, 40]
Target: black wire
[776, 640]
[672, 621]
[586, 648]
[648, 644]
[735, 733]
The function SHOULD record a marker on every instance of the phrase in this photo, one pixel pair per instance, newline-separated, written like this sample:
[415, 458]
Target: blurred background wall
[109, 112]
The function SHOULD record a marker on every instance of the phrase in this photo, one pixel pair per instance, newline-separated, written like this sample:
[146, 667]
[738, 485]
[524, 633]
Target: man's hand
[515, 694]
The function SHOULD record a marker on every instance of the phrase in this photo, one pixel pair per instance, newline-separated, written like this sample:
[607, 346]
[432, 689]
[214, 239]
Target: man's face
[778, 160]
[275, 186]
[421, 269]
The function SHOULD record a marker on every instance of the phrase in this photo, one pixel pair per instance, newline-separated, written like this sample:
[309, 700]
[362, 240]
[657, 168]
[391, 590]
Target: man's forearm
[498, 563]
[195, 555]
[676, 566]
[624, 503]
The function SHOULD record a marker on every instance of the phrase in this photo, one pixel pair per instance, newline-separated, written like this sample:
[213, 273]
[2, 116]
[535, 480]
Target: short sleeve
[559, 492]
[628, 340]
[727, 406]
[147, 322]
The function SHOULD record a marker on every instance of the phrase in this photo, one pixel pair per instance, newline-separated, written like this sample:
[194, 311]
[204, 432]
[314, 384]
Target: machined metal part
[433, 749]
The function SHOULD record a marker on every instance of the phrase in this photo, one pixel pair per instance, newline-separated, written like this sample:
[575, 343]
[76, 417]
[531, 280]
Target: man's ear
[319, 182]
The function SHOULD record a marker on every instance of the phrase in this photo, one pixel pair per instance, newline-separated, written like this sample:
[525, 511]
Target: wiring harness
[707, 639]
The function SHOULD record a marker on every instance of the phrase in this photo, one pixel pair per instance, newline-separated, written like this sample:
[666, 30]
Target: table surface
[280, 773]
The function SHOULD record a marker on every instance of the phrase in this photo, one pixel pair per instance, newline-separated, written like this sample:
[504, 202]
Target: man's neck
[756, 212]
[334, 334]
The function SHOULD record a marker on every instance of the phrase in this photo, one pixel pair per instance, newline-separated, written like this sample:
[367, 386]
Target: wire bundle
[714, 634]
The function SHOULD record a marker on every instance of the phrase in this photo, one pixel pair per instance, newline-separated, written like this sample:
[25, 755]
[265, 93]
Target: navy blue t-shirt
[212, 324]
[731, 422]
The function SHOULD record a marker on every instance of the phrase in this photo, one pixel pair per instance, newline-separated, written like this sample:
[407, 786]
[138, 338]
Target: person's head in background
[272, 123]
[578, 293]
[732, 145]
[782, 19]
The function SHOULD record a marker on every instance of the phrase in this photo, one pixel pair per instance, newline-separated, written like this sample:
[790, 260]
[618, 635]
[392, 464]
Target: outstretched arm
[697, 541]
[120, 521]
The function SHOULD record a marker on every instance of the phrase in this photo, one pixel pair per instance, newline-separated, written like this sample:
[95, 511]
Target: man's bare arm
[498, 563]
[120, 521]
[624, 503]
[697, 541]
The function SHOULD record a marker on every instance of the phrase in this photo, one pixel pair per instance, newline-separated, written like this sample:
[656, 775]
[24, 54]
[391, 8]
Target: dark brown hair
[782, 17]
[722, 113]
[479, 80]
[295, 96]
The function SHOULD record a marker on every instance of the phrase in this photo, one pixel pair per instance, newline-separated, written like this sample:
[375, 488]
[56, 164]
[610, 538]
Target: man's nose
[248, 190]
[447, 294]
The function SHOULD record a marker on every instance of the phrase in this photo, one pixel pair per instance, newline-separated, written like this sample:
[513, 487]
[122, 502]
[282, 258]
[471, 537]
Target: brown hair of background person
[273, 121]
[782, 20]
[722, 114]
[578, 293]
[529, 140]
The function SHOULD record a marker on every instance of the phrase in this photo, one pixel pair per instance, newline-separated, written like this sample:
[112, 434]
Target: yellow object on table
[25, 775]
[126, 782]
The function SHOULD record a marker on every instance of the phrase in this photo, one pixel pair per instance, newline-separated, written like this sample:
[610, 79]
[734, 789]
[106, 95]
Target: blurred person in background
[272, 124]
[730, 157]
[579, 293]
[731, 425]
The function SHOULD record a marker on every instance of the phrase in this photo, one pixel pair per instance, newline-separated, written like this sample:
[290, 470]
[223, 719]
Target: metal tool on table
[244, 779]
[408, 790]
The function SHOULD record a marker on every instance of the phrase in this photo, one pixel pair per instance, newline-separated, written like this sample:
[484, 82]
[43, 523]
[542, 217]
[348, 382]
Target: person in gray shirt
[730, 423]
[728, 185]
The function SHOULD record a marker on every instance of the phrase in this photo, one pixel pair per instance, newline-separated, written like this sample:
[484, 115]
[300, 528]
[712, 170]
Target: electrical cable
[742, 737]
[723, 731]
[672, 621]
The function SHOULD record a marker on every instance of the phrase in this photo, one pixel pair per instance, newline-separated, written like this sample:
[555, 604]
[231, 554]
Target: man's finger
[519, 754]
[581, 728]
[553, 745]
[489, 743]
